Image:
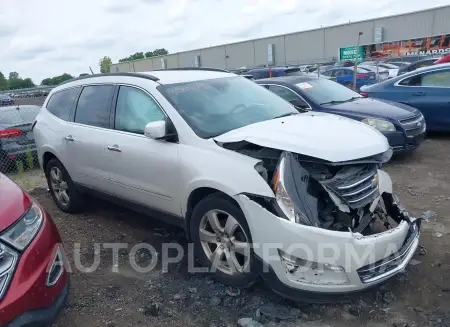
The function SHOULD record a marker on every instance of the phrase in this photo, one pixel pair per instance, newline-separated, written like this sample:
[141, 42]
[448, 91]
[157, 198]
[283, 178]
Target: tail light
[364, 94]
[362, 75]
[10, 133]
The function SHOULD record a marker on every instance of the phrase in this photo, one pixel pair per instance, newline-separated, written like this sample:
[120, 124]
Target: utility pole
[356, 60]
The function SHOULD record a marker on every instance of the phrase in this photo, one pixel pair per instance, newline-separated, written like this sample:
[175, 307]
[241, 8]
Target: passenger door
[142, 170]
[86, 137]
[430, 93]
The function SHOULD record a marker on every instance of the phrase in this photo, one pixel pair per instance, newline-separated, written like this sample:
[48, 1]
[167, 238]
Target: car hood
[14, 202]
[374, 108]
[324, 136]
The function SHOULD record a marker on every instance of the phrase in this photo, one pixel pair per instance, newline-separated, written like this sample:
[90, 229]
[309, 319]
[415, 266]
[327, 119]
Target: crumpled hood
[324, 136]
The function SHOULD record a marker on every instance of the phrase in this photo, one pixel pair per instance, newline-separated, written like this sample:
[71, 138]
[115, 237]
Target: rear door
[86, 137]
[430, 93]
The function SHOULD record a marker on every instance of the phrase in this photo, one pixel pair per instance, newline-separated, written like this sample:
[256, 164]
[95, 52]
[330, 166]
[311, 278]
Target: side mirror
[156, 129]
[299, 103]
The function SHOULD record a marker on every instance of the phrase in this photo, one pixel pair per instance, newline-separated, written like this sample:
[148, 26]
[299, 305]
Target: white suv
[261, 189]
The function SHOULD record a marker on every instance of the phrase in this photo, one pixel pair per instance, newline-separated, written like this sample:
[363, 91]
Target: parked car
[34, 284]
[16, 137]
[381, 73]
[406, 59]
[392, 69]
[418, 64]
[344, 76]
[266, 72]
[344, 63]
[6, 100]
[443, 60]
[322, 95]
[239, 168]
[426, 89]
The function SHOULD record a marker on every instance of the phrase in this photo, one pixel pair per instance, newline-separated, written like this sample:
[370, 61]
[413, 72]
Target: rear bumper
[42, 317]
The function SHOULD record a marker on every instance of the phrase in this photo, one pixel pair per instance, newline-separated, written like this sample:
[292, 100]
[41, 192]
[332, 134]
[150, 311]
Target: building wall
[303, 47]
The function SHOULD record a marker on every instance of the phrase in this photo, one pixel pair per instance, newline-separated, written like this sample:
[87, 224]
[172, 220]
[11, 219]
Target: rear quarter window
[60, 103]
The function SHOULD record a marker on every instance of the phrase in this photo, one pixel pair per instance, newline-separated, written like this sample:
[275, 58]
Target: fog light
[56, 269]
[313, 272]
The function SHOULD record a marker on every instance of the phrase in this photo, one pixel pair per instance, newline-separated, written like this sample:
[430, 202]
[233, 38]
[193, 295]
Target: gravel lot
[420, 297]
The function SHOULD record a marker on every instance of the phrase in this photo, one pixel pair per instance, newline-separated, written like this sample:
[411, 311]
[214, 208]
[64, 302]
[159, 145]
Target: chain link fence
[18, 155]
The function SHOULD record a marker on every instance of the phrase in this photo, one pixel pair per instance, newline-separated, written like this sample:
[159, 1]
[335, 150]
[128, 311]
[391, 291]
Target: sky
[46, 38]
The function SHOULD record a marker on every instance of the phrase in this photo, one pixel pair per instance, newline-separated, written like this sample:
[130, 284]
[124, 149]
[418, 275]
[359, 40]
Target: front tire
[62, 188]
[222, 240]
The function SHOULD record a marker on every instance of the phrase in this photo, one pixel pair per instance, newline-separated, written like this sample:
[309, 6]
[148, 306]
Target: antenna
[91, 70]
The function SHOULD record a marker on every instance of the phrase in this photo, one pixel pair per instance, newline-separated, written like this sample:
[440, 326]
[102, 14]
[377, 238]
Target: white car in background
[382, 74]
[261, 189]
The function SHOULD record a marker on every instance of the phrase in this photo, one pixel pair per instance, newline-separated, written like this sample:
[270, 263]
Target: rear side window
[61, 103]
[94, 105]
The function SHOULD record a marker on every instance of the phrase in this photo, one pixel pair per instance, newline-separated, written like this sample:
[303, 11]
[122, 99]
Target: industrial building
[409, 33]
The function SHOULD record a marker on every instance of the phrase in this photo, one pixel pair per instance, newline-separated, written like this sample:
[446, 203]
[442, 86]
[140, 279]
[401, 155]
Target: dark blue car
[427, 89]
[344, 76]
[403, 125]
[266, 72]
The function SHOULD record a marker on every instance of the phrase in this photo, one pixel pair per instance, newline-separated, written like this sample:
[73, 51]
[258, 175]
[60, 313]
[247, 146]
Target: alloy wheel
[224, 242]
[59, 186]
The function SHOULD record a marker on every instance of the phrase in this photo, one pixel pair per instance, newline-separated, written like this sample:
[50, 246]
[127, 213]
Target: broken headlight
[290, 184]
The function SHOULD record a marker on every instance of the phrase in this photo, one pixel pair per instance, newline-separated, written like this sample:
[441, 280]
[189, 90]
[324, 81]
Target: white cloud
[49, 37]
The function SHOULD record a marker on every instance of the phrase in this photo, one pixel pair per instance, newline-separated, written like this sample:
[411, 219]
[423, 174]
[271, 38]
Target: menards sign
[439, 44]
[429, 52]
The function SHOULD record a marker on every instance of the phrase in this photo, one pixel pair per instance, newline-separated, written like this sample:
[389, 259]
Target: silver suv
[260, 188]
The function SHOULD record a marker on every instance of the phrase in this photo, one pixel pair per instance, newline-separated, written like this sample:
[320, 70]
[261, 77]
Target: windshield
[323, 90]
[216, 106]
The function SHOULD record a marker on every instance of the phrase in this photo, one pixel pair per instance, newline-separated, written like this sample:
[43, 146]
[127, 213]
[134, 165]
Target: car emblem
[419, 124]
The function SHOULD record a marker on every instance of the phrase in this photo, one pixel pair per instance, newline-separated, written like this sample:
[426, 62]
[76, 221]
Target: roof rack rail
[140, 75]
[196, 68]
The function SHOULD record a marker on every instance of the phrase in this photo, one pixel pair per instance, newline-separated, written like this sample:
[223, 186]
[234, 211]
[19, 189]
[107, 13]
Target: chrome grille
[8, 259]
[379, 269]
[355, 185]
[413, 125]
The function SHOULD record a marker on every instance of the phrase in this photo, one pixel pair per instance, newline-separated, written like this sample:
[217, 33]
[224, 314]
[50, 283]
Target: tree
[3, 82]
[19, 83]
[13, 75]
[136, 56]
[50, 81]
[157, 52]
[105, 64]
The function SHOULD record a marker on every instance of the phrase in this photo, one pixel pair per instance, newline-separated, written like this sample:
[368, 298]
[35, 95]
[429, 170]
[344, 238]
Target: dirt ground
[420, 297]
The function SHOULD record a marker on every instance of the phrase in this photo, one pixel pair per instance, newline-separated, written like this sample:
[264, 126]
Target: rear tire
[62, 188]
[219, 246]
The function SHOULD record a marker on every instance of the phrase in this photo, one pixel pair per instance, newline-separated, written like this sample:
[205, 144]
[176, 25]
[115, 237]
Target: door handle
[419, 94]
[114, 148]
[69, 138]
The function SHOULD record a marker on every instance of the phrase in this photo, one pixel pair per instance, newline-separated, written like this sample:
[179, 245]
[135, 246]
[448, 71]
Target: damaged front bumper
[295, 257]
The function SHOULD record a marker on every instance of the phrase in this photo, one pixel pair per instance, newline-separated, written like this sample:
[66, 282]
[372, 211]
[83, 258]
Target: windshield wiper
[353, 98]
[333, 102]
[285, 115]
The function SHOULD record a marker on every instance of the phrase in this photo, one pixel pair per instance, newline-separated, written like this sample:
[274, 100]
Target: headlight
[380, 124]
[8, 259]
[22, 233]
[290, 185]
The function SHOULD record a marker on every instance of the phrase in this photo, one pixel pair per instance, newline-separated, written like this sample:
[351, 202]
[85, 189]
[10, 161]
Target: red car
[33, 281]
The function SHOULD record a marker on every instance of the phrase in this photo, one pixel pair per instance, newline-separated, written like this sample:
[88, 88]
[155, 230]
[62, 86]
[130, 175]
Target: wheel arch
[197, 195]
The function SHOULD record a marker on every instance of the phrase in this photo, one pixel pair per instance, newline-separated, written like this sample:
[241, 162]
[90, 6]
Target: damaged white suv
[261, 189]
